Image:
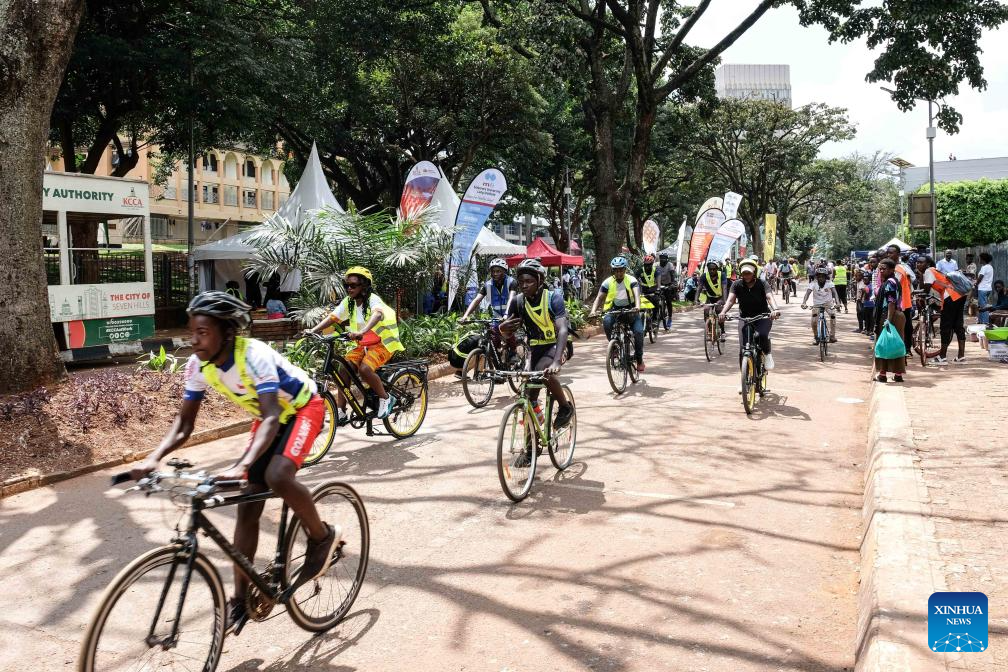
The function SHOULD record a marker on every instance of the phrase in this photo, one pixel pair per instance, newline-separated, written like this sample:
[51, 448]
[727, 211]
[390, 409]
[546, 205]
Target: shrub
[971, 213]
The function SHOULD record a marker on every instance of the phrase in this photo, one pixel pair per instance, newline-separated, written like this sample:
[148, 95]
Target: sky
[835, 74]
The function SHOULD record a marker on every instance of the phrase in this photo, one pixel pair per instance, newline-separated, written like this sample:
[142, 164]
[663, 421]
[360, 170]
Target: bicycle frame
[823, 328]
[542, 430]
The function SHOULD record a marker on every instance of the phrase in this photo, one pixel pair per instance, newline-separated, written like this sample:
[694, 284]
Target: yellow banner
[769, 237]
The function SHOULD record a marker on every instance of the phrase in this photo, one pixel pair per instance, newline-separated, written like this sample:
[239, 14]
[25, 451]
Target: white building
[765, 82]
[956, 171]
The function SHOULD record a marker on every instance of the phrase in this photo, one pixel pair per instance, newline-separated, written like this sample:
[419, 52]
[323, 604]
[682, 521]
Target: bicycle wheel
[651, 330]
[615, 369]
[516, 452]
[708, 340]
[920, 342]
[748, 384]
[477, 378]
[561, 445]
[718, 330]
[410, 389]
[787, 295]
[630, 357]
[521, 354]
[324, 440]
[121, 635]
[321, 603]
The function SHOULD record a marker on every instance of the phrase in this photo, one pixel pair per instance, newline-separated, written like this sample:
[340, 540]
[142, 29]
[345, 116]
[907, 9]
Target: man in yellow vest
[288, 416]
[840, 282]
[621, 290]
[373, 324]
[649, 278]
[712, 288]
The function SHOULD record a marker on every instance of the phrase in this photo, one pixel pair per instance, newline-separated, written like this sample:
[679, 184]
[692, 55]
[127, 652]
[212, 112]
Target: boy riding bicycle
[824, 295]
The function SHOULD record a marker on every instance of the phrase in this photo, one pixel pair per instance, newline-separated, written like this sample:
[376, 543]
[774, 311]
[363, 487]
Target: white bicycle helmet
[223, 306]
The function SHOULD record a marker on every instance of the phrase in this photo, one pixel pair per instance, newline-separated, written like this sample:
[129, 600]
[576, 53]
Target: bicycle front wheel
[477, 378]
[748, 384]
[708, 339]
[651, 330]
[516, 452]
[615, 369]
[135, 627]
[920, 342]
[561, 446]
[321, 603]
[324, 440]
[410, 389]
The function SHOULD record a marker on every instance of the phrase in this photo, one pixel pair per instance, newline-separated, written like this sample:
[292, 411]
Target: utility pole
[192, 169]
[934, 210]
[567, 205]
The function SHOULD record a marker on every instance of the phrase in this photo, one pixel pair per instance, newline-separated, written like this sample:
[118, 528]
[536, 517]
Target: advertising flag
[731, 203]
[480, 198]
[744, 245]
[421, 181]
[770, 237]
[649, 236]
[707, 226]
[725, 237]
[680, 242]
[712, 203]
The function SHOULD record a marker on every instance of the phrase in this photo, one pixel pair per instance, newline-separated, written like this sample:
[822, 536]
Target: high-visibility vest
[498, 297]
[541, 318]
[250, 400]
[942, 284]
[611, 294]
[648, 279]
[906, 295]
[387, 330]
[840, 275]
[716, 285]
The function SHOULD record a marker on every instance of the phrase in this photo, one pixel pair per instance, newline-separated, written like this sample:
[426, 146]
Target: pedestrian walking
[840, 282]
[985, 283]
[891, 318]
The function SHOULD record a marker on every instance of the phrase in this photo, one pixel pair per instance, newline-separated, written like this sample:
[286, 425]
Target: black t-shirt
[752, 301]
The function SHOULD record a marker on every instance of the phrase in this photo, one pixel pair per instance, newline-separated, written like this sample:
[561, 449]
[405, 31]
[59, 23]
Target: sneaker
[723, 337]
[342, 417]
[939, 360]
[959, 360]
[856, 331]
[640, 367]
[897, 378]
[237, 615]
[668, 324]
[563, 417]
[385, 406]
[768, 362]
[319, 554]
[523, 460]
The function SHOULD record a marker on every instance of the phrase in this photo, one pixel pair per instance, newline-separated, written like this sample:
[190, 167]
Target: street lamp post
[901, 164]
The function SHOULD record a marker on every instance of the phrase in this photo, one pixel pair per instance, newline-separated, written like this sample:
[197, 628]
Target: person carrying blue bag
[890, 350]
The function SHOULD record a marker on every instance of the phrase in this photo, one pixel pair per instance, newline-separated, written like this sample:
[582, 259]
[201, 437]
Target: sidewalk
[936, 497]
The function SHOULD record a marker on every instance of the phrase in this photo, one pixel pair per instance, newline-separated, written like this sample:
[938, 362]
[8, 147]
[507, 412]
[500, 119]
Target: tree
[864, 205]
[971, 212]
[35, 42]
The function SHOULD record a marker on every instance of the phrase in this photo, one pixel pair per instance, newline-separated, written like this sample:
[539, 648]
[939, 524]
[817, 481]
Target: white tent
[899, 243]
[223, 260]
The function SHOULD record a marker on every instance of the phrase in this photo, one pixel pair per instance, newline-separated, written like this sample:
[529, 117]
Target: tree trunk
[36, 38]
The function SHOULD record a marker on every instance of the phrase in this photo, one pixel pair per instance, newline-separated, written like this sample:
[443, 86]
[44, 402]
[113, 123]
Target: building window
[231, 167]
[249, 169]
[267, 175]
[170, 193]
[159, 227]
[267, 200]
[210, 164]
[230, 195]
[210, 194]
[249, 198]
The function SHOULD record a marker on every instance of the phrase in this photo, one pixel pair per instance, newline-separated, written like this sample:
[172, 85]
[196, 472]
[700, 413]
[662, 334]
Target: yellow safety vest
[840, 275]
[541, 318]
[387, 330]
[611, 294]
[649, 279]
[250, 400]
[716, 284]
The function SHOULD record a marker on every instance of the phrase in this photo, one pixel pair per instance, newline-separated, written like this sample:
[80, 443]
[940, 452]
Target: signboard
[727, 234]
[707, 226]
[650, 235]
[770, 237]
[85, 193]
[84, 333]
[69, 303]
[479, 200]
[712, 203]
[421, 182]
[920, 211]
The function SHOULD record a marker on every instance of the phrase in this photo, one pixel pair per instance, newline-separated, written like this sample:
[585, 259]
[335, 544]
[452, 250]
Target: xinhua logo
[957, 622]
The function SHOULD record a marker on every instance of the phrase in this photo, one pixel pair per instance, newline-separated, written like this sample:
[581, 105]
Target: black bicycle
[823, 334]
[653, 310]
[167, 609]
[928, 312]
[787, 289]
[753, 369]
[621, 352]
[405, 380]
[712, 330]
[483, 365]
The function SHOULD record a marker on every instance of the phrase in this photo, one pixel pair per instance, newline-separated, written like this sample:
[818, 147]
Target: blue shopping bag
[889, 344]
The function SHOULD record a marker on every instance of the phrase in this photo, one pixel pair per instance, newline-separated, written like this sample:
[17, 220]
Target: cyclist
[621, 290]
[787, 273]
[823, 294]
[669, 285]
[712, 286]
[501, 288]
[650, 284]
[754, 298]
[288, 415]
[544, 315]
[373, 324]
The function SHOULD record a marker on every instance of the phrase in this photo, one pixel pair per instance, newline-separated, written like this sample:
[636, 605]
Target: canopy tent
[548, 255]
[899, 243]
[223, 260]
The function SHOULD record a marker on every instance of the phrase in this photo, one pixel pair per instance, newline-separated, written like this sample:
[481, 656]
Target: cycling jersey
[618, 294]
[385, 332]
[649, 280]
[712, 287]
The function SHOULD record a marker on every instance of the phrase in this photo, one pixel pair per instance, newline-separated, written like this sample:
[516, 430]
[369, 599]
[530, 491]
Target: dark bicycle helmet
[531, 266]
[223, 306]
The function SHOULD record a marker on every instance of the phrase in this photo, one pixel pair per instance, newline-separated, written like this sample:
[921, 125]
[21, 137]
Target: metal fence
[171, 282]
[999, 251]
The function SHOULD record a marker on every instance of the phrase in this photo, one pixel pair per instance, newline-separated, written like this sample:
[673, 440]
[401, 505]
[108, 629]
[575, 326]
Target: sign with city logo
[69, 303]
[83, 333]
[87, 193]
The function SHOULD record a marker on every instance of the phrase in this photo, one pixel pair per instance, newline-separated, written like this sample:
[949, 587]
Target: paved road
[685, 536]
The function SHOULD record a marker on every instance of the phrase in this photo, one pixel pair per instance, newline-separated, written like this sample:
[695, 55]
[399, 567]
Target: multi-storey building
[765, 82]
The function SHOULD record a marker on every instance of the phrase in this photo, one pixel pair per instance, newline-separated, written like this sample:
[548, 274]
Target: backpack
[960, 283]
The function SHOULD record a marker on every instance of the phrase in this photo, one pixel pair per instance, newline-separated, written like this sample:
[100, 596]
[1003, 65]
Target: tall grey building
[766, 82]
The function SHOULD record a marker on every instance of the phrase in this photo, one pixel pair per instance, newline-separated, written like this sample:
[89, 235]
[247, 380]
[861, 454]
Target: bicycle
[712, 332]
[168, 606]
[650, 322]
[522, 436]
[928, 309]
[753, 369]
[482, 364]
[621, 352]
[823, 334]
[786, 288]
[405, 380]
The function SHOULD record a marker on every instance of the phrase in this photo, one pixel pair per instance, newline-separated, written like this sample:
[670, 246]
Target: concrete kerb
[896, 562]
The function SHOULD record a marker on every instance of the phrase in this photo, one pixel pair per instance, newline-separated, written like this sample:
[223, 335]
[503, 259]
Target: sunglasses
[353, 285]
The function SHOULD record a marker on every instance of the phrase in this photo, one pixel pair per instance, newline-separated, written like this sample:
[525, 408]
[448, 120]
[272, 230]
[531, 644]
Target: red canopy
[548, 255]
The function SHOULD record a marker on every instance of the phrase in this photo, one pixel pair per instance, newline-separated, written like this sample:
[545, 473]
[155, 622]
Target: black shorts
[543, 355]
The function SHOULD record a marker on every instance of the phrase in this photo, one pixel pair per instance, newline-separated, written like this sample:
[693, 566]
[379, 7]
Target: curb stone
[24, 483]
[896, 575]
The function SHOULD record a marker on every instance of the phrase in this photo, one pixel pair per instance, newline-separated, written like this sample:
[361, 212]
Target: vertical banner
[731, 203]
[706, 228]
[480, 198]
[725, 237]
[770, 237]
[649, 236]
[744, 246]
[712, 203]
[421, 181]
[680, 243]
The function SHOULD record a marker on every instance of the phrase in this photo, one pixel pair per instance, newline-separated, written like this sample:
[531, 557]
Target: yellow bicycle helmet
[359, 270]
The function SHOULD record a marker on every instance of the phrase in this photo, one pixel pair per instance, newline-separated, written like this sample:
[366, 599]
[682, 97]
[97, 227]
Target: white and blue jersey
[269, 370]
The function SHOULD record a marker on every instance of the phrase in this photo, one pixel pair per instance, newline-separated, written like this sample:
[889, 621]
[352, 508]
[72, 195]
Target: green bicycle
[523, 434]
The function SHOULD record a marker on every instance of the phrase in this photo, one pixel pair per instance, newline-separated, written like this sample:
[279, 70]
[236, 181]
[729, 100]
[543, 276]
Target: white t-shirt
[821, 296]
[929, 279]
[947, 266]
[987, 283]
[269, 370]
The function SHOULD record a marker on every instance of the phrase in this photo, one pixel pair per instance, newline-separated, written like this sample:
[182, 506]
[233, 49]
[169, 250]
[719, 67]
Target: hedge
[971, 213]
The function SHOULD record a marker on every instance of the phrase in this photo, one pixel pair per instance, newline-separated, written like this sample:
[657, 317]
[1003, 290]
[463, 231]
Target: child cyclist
[824, 295]
[288, 415]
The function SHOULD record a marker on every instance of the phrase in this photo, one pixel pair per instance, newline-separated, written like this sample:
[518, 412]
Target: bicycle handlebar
[205, 485]
[754, 318]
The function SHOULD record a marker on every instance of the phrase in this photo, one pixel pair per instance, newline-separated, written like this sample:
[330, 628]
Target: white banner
[479, 200]
[712, 203]
[680, 243]
[732, 201]
[89, 302]
[723, 240]
[74, 192]
[649, 236]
